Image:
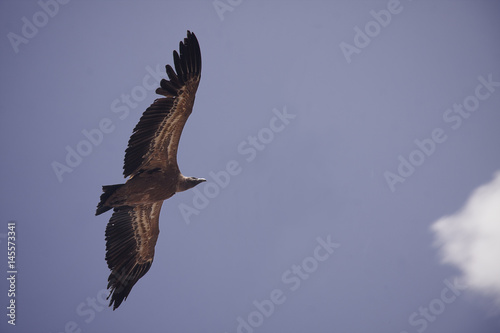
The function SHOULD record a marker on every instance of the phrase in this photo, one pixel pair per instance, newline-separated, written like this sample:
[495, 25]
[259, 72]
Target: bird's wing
[155, 139]
[131, 236]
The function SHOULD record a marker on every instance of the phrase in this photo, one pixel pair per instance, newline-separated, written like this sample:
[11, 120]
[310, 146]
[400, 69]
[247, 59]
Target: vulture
[154, 176]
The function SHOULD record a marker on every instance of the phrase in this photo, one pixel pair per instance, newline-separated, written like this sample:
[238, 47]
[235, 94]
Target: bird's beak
[202, 180]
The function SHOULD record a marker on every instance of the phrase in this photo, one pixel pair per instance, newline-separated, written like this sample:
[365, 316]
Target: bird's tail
[107, 190]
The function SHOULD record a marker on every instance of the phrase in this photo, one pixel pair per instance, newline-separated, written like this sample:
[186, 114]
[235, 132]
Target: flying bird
[154, 176]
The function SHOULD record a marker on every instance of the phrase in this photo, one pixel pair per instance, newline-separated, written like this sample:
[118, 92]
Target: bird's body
[147, 187]
[151, 163]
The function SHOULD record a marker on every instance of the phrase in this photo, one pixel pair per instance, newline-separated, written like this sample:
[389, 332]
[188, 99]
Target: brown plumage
[151, 163]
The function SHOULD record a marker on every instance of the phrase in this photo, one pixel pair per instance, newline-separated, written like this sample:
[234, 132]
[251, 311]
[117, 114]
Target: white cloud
[470, 239]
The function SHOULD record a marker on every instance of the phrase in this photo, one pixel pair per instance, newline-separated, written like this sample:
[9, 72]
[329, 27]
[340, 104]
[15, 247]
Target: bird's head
[190, 182]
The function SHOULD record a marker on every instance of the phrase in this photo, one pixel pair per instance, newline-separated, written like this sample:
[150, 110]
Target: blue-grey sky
[351, 150]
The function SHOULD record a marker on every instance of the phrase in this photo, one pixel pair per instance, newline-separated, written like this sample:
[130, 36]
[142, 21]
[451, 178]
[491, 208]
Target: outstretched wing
[131, 236]
[155, 139]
